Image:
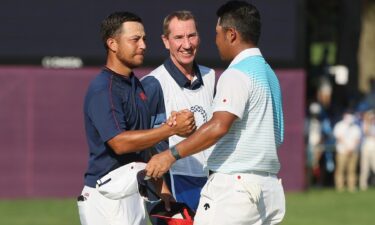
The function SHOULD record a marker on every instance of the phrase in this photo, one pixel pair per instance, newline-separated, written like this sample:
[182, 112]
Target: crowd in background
[340, 140]
[340, 115]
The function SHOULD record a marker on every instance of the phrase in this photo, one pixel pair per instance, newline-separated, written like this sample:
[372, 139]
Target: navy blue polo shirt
[113, 104]
[155, 95]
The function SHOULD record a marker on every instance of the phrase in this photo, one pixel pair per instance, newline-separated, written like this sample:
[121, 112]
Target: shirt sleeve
[231, 93]
[155, 100]
[107, 118]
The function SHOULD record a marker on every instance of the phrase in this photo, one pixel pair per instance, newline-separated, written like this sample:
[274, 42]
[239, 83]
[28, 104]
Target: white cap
[120, 182]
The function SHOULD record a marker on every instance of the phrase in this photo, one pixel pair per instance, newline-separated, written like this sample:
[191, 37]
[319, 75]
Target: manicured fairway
[314, 207]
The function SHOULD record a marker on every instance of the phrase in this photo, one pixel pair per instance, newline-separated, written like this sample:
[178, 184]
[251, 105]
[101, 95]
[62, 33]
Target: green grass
[328, 207]
[39, 212]
[315, 207]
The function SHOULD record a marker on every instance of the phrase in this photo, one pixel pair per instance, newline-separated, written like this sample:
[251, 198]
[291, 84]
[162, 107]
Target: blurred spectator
[368, 149]
[348, 136]
[324, 92]
[319, 140]
[324, 89]
[314, 140]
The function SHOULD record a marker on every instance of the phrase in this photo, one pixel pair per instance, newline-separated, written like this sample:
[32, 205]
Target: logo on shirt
[142, 96]
[200, 114]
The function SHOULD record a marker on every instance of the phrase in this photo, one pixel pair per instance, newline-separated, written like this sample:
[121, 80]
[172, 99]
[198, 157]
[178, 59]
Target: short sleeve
[156, 106]
[155, 100]
[231, 93]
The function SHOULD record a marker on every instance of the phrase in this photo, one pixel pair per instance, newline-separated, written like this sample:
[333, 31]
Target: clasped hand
[182, 122]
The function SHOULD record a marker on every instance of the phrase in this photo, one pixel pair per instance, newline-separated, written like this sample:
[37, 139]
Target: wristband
[175, 153]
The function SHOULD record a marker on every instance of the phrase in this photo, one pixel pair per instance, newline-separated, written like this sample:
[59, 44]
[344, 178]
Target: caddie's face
[130, 44]
[222, 42]
[182, 42]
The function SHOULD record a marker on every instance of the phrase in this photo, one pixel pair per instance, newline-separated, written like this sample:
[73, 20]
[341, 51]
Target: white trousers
[95, 209]
[240, 199]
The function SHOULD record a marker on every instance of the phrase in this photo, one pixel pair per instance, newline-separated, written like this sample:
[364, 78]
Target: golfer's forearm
[206, 136]
[136, 140]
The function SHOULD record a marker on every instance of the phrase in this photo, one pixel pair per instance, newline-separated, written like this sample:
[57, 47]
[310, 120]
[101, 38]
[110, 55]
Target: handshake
[182, 123]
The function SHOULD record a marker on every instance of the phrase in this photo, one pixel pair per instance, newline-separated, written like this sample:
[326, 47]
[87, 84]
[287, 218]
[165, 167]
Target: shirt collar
[117, 76]
[180, 78]
[246, 53]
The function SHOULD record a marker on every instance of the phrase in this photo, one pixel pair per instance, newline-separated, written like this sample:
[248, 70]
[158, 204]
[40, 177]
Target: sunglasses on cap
[144, 187]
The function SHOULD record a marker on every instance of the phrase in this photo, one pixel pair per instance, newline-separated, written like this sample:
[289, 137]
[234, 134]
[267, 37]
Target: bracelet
[175, 153]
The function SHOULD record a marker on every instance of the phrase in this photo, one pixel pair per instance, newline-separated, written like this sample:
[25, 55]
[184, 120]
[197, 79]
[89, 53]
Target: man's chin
[138, 62]
[187, 60]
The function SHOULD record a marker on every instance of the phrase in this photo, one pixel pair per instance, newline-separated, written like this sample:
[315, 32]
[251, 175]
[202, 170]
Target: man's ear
[231, 35]
[112, 44]
[165, 41]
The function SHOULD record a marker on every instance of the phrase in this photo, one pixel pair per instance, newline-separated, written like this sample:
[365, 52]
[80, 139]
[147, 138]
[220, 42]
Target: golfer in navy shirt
[117, 123]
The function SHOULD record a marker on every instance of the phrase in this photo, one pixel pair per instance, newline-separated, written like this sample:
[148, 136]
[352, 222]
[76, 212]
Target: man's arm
[164, 193]
[207, 135]
[182, 123]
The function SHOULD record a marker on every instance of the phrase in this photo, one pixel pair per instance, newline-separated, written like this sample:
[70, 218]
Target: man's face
[182, 41]
[130, 44]
[222, 42]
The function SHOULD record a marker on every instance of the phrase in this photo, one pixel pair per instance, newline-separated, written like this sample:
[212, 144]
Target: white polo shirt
[250, 90]
[348, 135]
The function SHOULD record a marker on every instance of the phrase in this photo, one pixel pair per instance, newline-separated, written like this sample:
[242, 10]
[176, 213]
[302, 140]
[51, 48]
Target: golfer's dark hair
[182, 15]
[242, 16]
[111, 26]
